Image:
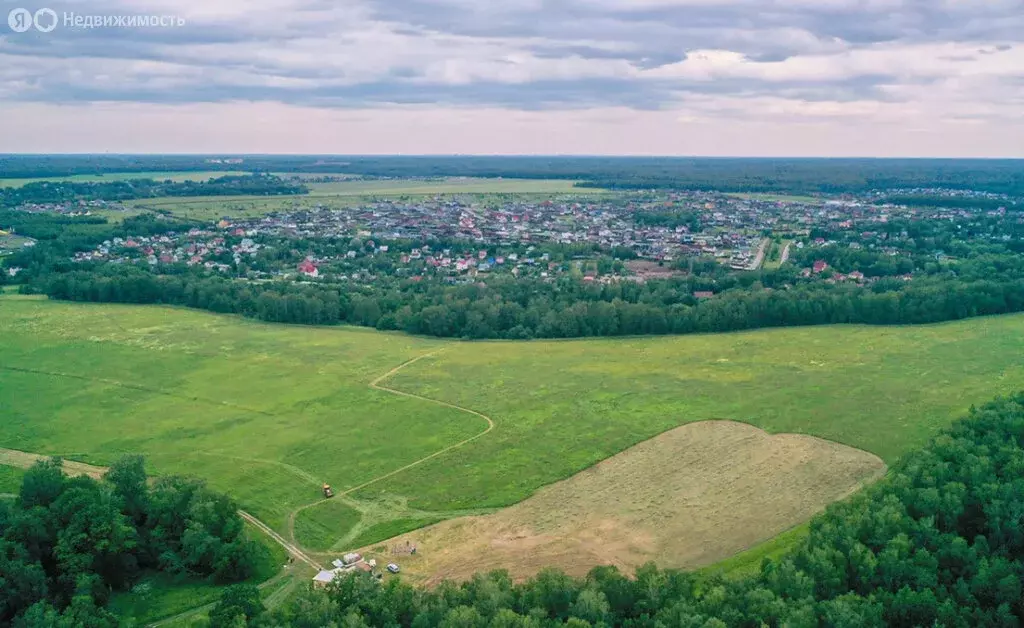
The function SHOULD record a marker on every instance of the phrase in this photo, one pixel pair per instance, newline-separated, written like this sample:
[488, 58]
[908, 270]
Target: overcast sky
[653, 77]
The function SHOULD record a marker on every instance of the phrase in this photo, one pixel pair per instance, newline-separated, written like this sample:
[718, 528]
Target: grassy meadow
[269, 412]
[453, 185]
[780, 198]
[352, 193]
[10, 480]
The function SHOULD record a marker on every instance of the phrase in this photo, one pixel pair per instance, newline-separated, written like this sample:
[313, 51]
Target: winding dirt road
[16, 458]
[376, 385]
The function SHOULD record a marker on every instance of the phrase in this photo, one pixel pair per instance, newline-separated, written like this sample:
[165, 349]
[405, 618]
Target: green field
[157, 596]
[781, 198]
[10, 242]
[267, 413]
[10, 480]
[350, 194]
[773, 259]
[213, 208]
[124, 176]
[447, 186]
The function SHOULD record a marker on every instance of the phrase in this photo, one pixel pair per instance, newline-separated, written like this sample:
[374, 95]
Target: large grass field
[269, 412]
[454, 185]
[781, 198]
[353, 193]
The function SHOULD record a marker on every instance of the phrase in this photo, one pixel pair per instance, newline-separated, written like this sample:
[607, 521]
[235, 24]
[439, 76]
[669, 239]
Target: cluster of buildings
[207, 247]
[477, 238]
[349, 563]
[731, 228]
[70, 208]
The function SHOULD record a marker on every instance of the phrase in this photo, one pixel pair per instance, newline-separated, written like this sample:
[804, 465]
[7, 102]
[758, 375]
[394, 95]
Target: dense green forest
[67, 543]
[522, 309]
[953, 202]
[726, 175]
[938, 542]
[43, 192]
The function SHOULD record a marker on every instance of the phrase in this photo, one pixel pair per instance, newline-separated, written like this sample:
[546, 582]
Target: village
[636, 237]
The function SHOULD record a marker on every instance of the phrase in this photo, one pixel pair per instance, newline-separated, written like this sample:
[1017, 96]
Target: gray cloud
[519, 54]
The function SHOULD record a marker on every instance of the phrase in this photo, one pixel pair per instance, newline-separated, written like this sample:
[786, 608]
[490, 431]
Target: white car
[393, 568]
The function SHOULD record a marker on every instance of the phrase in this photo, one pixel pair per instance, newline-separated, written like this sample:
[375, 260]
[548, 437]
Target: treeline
[67, 543]
[59, 192]
[569, 307]
[938, 542]
[669, 219]
[952, 202]
[727, 175]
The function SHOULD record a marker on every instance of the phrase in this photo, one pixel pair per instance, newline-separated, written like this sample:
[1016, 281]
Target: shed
[323, 578]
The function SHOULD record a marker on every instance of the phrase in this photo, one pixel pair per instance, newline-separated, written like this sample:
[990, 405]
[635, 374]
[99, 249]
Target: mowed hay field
[268, 412]
[687, 498]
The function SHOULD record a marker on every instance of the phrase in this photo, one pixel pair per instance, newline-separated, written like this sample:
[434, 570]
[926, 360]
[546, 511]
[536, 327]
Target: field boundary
[376, 385]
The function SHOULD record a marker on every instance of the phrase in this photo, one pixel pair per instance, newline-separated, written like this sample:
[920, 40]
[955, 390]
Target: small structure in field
[347, 563]
[401, 550]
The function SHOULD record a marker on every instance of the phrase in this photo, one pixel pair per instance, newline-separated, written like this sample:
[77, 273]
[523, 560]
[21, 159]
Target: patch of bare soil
[687, 498]
[24, 460]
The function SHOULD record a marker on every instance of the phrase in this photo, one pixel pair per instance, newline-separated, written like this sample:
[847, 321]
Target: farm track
[294, 550]
[376, 385]
[24, 460]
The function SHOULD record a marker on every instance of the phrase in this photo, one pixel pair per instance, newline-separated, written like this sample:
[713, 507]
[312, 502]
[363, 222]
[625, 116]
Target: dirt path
[785, 254]
[762, 252]
[24, 460]
[376, 385]
[291, 548]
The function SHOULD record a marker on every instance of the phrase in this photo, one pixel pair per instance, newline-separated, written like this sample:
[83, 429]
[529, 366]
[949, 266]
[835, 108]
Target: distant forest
[793, 176]
[47, 192]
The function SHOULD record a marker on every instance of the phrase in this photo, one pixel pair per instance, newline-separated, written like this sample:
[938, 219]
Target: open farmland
[454, 185]
[721, 487]
[10, 242]
[351, 193]
[268, 412]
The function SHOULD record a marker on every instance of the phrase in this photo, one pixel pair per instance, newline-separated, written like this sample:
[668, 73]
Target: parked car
[393, 568]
